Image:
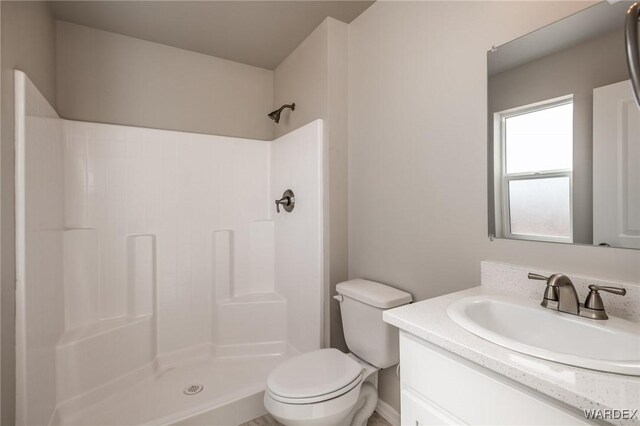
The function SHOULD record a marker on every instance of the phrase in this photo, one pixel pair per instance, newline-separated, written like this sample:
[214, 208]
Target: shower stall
[157, 284]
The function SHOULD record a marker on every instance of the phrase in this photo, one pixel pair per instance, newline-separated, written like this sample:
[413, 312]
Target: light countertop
[577, 387]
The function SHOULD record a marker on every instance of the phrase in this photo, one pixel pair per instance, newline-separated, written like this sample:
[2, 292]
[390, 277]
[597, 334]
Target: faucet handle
[615, 290]
[533, 276]
[550, 293]
[593, 305]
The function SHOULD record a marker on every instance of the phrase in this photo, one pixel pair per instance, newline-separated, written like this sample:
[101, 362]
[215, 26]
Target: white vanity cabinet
[440, 388]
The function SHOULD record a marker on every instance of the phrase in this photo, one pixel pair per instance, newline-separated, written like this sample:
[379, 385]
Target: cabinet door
[416, 411]
[474, 394]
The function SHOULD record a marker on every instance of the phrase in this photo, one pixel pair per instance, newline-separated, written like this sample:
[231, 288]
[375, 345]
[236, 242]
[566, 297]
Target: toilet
[328, 387]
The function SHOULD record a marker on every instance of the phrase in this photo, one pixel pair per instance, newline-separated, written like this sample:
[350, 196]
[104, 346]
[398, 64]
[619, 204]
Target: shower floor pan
[211, 390]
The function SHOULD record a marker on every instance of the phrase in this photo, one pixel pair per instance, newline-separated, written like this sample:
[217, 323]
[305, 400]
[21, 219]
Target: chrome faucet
[560, 289]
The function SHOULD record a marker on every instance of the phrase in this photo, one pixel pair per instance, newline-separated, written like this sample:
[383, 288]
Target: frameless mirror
[564, 134]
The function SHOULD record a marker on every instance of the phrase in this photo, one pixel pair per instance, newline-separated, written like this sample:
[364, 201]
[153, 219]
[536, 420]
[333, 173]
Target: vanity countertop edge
[579, 388]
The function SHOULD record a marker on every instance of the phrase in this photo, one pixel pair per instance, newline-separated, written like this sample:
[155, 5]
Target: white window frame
[502, 178]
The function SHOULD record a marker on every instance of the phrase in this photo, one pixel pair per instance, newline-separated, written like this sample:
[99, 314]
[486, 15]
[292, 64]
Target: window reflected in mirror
[536, 163]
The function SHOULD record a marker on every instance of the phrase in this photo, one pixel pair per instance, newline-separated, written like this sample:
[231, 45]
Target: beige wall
[337, 117]
[576, 70]
[110, 78]
[314, 76]
[27, 44]
[302, 78]
[417, 150]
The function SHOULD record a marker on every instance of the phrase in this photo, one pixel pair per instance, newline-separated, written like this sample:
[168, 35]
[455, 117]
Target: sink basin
[522, 325]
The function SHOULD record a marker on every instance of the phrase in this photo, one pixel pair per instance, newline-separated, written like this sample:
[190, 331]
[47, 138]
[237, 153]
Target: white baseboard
[388, 413]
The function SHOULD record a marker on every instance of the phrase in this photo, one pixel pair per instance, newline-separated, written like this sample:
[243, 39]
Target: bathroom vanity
[449, 375]
[439, 387]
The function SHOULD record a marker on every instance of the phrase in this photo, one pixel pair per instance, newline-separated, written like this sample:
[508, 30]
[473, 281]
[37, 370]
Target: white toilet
[327, 387]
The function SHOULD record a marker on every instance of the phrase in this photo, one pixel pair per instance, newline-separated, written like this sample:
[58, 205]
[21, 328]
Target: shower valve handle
[284, 201]
[287, 201]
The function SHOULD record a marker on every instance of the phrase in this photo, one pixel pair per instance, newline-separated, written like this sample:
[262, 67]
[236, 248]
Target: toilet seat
[314, 377]
[318, 398]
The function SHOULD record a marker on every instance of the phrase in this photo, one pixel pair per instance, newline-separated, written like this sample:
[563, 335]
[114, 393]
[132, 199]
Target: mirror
[564, 134]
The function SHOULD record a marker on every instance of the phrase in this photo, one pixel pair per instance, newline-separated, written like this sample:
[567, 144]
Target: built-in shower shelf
[258, 318]
[98, 328]
[254, 298]
[128, 343]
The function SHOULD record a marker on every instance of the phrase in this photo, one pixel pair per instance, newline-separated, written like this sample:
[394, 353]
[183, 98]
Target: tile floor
[267, 420]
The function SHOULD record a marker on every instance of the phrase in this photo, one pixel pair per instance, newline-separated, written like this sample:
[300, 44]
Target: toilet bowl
[328, 387]
[322, 387]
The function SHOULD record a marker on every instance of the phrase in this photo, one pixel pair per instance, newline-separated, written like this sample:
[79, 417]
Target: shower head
[275, 115]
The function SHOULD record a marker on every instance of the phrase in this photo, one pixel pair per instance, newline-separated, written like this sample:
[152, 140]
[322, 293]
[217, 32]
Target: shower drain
[193, 389]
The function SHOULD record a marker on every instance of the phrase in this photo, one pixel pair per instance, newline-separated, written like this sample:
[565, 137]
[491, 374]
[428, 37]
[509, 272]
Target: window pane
[540, 140]
[540, 207]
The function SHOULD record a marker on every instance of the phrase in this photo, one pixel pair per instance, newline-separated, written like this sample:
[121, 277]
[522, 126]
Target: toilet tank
[367, 335]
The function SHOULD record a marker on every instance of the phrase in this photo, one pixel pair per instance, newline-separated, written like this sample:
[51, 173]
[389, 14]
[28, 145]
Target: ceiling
[259, 33]
[587, 24]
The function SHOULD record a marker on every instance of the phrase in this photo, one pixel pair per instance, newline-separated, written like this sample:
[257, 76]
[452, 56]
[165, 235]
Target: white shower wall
[164, 246]
[296, 157]
[184, 189]
[39, 251]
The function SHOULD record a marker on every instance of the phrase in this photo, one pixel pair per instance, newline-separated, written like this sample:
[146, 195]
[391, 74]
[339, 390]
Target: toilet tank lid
[373, 293]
